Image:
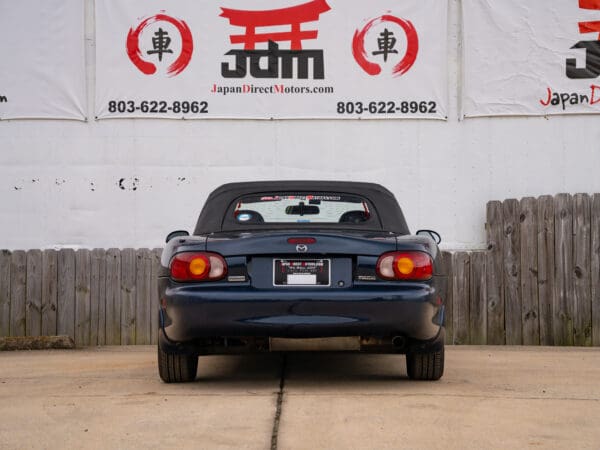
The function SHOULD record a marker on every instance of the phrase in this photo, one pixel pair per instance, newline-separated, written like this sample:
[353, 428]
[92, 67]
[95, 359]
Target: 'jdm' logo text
[592, 48]
[280, 62]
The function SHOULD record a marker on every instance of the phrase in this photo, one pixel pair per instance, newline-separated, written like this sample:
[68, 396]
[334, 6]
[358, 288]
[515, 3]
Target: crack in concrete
[133, 396]
[391, 394]
[279, 405]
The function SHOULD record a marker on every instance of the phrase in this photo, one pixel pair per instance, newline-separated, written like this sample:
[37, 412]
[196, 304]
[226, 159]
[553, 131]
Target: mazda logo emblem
[301, 248]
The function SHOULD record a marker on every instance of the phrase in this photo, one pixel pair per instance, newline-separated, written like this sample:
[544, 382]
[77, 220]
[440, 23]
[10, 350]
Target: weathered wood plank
[478, 299]
[82, 297]
[154, 300]
[529, 271]
[33, 305]
[113, 296]
[49, 292]
[494, 278]
[595, 268]
[98, 297]
[65, 317]
[512, 272]
[563, 250]
[143, 280]
[18, 292]
[460, 293]
[582, 300]
[545, 248]
[448, 299]
[5, 257]
[128, 307]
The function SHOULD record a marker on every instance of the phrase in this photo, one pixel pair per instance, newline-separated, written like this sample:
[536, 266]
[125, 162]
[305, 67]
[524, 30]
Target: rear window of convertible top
[302, 208]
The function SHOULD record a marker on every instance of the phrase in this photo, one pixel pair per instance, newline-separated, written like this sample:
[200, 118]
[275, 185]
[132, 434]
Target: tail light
[198, 266]
[405, 266]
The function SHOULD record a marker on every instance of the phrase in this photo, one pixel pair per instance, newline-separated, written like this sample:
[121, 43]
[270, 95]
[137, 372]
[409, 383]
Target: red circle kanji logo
[148, 68]
[412, 46]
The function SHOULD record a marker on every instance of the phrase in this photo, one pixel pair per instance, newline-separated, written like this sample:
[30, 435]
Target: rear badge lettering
[366, 278]
[236, 278]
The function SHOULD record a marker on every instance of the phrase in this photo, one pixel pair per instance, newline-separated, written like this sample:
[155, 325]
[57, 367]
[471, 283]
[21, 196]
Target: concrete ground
[489, 397]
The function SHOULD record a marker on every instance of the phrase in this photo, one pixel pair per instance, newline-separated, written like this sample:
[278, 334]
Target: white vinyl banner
[42, 59]
[265, 59]
[534, 57]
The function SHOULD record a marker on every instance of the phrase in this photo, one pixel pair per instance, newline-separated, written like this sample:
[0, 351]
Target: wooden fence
[98, 297]
[538, 282]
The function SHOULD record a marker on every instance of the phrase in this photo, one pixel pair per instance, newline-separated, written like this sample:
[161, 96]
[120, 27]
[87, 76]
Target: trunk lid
[331, 261]
[251, 244]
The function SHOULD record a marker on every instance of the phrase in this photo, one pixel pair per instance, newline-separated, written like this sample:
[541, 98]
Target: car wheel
[176, 368]
[425, 366]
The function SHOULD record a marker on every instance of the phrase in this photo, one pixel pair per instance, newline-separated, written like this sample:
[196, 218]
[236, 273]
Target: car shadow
[300, 369]
[345, 368]
[228, 369]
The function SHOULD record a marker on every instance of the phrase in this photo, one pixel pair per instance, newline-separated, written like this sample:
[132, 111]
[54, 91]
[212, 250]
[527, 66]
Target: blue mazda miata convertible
[301, 265]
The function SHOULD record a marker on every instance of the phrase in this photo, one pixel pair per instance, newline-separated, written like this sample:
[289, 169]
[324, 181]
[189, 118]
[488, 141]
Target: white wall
[59, 180]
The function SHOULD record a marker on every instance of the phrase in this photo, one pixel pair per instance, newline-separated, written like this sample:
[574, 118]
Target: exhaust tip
[399, 341]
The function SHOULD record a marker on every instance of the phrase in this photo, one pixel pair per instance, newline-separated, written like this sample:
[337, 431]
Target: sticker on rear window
[302, 208]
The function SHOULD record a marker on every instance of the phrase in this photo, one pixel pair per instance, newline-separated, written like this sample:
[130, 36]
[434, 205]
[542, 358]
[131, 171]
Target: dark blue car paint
[254, 307]
[245, 311]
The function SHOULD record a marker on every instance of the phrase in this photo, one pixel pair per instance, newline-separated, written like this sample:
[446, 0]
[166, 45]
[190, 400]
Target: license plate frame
[301, 272]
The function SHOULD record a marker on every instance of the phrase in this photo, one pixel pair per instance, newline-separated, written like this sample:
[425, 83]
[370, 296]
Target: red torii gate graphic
[590, 27]
[293, 16]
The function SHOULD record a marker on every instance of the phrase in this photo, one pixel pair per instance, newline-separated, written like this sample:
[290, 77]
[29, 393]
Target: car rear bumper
[413, 311]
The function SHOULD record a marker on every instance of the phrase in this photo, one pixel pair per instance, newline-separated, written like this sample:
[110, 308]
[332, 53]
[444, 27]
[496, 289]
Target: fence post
[595, 269]
[5, 257]
[18, 292]
[529, 271]
[546, 284]
[512, 273]
[460, 293]
[154, 300]
[448, 300]
[494, 270]
[478, 299]
[98, 297]
[582, 300]
[65, 318]
[113, 297]
[49, 292]
[82, 298]
[33, 306]
[563, 250]
[128, 268]
[143, 281]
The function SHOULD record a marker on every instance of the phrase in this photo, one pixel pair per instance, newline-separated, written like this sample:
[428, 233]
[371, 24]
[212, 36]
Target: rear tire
[176, 368]
[425, 366]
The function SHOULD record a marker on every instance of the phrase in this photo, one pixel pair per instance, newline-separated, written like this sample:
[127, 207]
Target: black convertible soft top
[213, 214]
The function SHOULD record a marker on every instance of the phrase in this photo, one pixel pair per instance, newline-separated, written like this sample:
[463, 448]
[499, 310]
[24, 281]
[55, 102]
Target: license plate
[301, 272]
